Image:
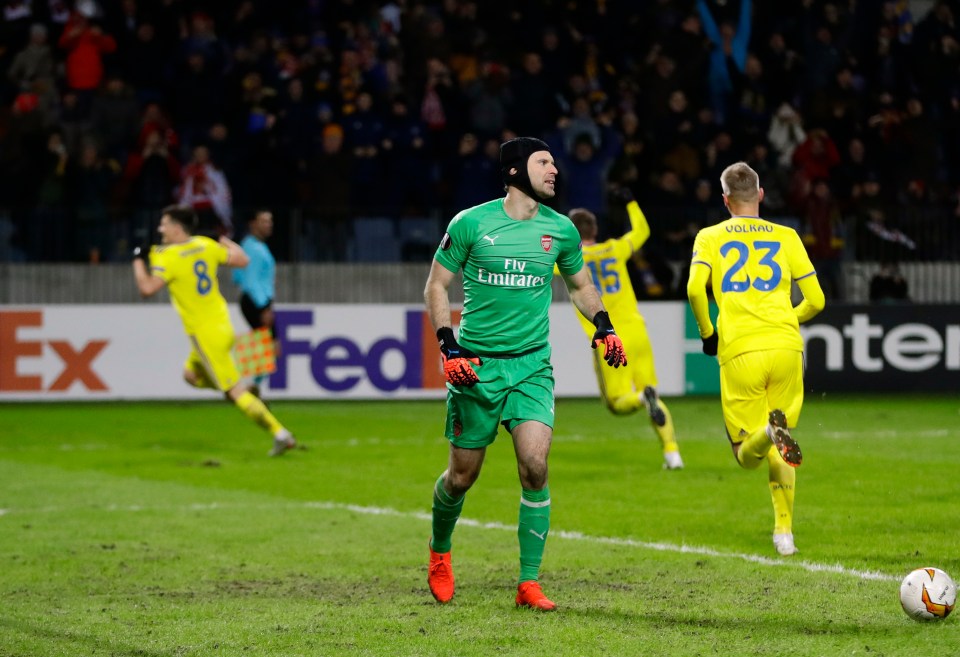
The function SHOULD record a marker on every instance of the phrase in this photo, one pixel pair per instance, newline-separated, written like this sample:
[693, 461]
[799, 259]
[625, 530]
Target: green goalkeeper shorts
[511, 391]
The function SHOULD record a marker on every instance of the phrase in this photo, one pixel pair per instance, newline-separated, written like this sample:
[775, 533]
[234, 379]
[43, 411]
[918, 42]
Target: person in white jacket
[786, 133]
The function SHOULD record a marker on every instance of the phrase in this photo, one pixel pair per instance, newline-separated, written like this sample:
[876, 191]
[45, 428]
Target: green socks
[532, 531]
[446, 511]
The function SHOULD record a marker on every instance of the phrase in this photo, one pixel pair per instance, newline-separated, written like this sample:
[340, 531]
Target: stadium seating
[374, 239]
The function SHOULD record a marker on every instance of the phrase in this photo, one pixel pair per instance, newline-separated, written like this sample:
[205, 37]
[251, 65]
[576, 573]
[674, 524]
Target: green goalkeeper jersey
[507, 268]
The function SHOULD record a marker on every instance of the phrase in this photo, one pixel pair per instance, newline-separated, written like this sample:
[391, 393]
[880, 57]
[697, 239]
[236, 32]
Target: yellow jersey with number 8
[190, 272]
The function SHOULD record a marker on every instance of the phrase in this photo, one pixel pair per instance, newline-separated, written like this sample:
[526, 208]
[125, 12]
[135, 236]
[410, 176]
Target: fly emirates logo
[512, 276]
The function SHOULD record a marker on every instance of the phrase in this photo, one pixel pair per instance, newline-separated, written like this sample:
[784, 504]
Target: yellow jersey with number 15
[607, 264]
[190, 271]
[753, 264]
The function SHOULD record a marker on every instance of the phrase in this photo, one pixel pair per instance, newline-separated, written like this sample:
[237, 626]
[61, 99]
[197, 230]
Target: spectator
[823, 235]
[150, 177]
[849, 175]
[206, 190]
[96, 239]
[488, 98]
[816, 157]
[729, 51]
[297, 124]
[50, 229]
[783, 67]
[115, 118]
[145, 64]
[584, 170]
[328, 209]
[672, 232]
[85, 43]
[199, 96]
[888, 285]
[786, 133]
[34, 62]
[532, 103]
[440, 108]
[477, 171]
[364, 133]
[404, 149]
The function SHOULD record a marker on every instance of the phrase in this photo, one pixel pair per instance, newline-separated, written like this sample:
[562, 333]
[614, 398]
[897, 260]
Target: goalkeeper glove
[710, 343]
[457, 360]
[612, 346]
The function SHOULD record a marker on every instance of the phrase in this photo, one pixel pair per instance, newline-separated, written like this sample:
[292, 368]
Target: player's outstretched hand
[142, 252]
[613, 351]
[458, 361]
[711, 343]
[622, 195]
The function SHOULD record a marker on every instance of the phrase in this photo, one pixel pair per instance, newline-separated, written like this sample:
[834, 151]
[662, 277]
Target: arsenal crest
[546, 241]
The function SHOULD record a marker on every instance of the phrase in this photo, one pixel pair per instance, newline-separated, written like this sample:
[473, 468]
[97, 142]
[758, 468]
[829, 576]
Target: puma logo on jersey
[491, 239]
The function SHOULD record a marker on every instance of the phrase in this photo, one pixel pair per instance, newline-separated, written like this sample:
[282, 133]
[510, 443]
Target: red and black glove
[613, 351]
[457, 360]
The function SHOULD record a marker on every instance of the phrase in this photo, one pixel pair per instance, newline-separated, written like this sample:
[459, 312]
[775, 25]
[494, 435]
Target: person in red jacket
[85, 43]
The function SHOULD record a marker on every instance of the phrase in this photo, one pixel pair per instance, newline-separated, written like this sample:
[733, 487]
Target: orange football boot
[440, 576]
[529, 594]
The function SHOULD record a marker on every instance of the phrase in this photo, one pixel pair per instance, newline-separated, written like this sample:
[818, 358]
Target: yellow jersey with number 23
[753, 263]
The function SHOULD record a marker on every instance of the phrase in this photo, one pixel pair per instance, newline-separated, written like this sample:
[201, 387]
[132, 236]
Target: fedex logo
[338, 363]
[78, 364]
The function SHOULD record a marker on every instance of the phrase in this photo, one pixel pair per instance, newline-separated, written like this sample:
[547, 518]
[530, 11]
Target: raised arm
[639, 228]
[147, 283]
[236, 256]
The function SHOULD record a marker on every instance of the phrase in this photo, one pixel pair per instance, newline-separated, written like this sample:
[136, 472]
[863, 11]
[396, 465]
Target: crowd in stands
[339, 109]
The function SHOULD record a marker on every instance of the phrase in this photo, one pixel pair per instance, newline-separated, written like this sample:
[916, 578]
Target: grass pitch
[163, 529]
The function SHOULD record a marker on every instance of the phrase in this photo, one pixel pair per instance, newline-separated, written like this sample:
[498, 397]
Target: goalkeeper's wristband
[448, 343]
[602, 321]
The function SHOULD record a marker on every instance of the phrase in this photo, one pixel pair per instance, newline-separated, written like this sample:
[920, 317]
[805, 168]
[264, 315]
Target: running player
[625, 389]
[187, 264]
[502, 374]
[751, 265]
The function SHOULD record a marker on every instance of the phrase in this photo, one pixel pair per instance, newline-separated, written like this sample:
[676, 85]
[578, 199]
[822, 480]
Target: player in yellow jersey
[751, 265]
[625, 389]
[187, 264]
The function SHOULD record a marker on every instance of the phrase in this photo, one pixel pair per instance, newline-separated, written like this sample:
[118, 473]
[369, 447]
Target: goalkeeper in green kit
[499, 372]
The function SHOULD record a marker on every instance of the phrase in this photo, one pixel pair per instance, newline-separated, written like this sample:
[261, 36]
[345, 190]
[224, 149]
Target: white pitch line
[468, 522]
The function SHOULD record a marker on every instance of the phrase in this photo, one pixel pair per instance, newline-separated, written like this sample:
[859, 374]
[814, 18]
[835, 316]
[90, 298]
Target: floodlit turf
[163, 529]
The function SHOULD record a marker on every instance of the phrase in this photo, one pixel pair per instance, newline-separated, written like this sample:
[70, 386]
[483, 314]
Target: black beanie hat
[515, 154]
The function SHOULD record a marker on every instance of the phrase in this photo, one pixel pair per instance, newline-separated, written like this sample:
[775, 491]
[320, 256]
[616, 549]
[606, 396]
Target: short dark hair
[585, 221]
[257, 212]
[184, 216]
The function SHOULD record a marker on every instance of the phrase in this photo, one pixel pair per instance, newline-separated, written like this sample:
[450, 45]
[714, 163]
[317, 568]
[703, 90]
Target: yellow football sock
[255, 409]
[667, 438]
[783, 480]
[753, 450]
